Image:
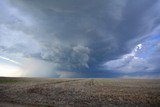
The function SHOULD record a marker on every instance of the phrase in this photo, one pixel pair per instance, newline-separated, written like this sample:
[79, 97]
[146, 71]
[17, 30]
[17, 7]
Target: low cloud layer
[79, 38]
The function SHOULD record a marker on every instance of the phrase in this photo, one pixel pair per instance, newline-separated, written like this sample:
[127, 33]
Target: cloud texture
[79, 38]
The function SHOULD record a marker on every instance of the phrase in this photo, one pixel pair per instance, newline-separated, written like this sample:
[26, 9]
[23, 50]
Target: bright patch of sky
[138, 59]
[148, 47]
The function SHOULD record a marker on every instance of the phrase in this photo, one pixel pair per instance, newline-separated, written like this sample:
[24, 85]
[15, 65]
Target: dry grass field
[47, 92]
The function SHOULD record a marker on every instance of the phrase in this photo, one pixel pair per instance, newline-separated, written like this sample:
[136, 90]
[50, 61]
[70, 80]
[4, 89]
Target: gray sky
[80, 38]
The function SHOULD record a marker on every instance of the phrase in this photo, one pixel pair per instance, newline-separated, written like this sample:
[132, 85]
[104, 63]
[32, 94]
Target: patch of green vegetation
[8, 81]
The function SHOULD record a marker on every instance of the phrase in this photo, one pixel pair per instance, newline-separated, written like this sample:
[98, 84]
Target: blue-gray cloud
[84, 38]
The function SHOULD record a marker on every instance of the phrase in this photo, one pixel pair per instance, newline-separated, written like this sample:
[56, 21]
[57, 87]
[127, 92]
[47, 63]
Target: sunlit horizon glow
[10, 70]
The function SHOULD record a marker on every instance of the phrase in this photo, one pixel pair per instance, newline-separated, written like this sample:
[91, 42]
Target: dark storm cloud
[77, 35]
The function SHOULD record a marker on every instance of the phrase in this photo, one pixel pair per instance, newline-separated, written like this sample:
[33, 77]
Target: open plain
[79, 92]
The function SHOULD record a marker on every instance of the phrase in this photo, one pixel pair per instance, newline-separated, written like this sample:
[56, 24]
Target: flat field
[79, 92]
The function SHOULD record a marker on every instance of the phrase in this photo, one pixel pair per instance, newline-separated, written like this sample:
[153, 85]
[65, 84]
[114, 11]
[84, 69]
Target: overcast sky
[80, 38]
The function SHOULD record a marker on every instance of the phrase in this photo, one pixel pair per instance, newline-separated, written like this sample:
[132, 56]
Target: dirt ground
[76, 92]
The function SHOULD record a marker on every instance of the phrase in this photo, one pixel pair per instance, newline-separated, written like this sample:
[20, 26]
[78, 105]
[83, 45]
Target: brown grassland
[79, 92]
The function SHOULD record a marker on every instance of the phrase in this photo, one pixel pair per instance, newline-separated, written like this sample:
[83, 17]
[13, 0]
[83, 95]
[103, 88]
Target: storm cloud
[81, 38]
